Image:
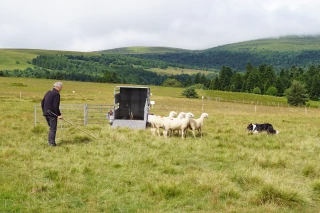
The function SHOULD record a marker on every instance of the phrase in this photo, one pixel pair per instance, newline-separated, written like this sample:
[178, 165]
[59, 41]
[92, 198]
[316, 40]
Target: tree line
[264, 80]
[237, 60]
[107, 68]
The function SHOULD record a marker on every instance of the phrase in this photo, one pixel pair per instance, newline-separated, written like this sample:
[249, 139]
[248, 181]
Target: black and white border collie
[257, 128]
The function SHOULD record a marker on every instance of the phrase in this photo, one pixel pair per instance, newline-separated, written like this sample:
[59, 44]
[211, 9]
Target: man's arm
[42, 104]
[56, 105]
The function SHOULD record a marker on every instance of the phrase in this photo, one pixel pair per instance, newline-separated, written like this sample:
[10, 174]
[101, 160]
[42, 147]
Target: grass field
[11, 59]
[282, 44]
[228, 170]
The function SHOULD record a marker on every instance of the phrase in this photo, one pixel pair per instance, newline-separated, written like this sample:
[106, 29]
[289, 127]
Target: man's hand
[60, 117]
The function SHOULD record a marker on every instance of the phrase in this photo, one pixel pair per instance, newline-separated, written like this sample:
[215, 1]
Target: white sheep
[181, 115]
[176, 124]
[185, 125]
[197, 124]
[156, 121]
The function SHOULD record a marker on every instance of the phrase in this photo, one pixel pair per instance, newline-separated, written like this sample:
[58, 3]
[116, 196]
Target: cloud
[189, 24]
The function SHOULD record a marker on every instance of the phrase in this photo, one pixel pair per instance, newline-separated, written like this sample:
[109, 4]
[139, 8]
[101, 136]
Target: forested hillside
[11, 59]
[281, 53]
[264, 80]
[237, 60]
[103, 68]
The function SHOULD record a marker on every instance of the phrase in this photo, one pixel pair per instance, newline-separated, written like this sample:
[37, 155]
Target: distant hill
[281, 44]
[280, 52]
[144, 50]
[11, 59]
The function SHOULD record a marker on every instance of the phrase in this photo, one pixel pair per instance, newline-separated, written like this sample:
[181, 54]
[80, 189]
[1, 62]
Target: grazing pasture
[227, 170]
[11, 59]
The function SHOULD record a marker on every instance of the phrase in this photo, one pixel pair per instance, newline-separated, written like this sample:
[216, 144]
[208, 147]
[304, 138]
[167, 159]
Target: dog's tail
[272, 131]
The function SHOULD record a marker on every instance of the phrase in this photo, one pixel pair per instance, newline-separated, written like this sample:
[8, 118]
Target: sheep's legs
[194, 135]
[165, 133]
[153, 130]
[183, 133]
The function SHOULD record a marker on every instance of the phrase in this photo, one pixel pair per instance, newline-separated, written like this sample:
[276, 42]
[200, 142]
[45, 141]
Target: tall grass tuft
[270, 194]
[247, 181]
[82, 139]
[39, 129]
[311, 171]
[315, 186]
[166, 191]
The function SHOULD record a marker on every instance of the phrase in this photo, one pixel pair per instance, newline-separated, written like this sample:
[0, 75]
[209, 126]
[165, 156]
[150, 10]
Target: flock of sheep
[182, 123]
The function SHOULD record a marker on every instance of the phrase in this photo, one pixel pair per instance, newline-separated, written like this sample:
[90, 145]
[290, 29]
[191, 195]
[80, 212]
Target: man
[50, 108]
[110, 116]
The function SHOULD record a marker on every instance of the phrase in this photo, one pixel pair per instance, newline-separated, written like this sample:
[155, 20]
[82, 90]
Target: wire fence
[78, 114]
[256, 102]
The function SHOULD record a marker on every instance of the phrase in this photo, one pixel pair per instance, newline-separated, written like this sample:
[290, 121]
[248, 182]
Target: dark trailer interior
[132, 104]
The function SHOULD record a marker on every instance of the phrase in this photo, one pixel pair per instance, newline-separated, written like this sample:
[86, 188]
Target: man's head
[57, 86]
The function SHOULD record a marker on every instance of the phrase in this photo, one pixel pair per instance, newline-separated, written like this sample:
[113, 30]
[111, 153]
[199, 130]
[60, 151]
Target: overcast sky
[189, 24]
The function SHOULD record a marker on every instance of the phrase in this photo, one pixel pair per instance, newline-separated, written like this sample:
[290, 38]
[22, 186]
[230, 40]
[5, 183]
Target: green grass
[288, 43]
[249, 98]
[143, 50]
[10, 57]
[228, 170]
[285, 43]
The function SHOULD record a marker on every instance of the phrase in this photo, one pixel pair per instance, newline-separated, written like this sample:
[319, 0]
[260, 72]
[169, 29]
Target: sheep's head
[181, 115]
[189, 115]
[205, 115]
[172, 114]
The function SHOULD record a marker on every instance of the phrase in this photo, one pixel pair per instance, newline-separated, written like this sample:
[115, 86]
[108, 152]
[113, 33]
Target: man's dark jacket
[51, 101]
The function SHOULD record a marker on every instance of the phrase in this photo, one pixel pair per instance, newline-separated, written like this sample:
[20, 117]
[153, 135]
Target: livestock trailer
[132, 105]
